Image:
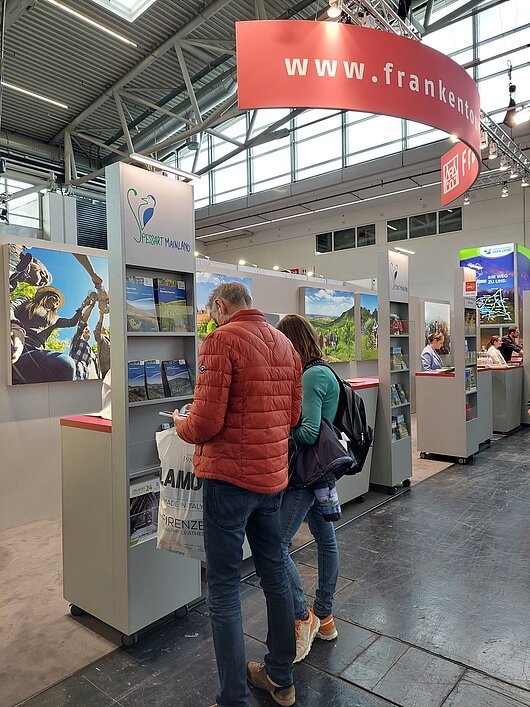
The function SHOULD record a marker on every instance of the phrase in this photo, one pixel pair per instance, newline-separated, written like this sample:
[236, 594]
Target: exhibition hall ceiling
[102, 74]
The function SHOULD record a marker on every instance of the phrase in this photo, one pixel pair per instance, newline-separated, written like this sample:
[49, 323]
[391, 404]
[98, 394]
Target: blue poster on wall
[494, 266]
[523, 278]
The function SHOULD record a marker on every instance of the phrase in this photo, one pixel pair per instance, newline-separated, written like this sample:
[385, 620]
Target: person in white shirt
[493, 350]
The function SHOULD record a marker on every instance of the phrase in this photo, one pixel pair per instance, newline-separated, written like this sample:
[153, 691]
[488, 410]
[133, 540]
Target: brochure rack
[392, 454]
[128, 584]
[448, 403]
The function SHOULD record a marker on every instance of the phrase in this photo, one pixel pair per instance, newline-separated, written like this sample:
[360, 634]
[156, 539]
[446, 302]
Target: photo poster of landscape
[59, 315]
[494, 266]
[206, 282]
[437, 320]
[331, 312]
[369, 328]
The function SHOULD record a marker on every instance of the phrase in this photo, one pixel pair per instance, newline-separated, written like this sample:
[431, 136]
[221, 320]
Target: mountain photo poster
[331, 313]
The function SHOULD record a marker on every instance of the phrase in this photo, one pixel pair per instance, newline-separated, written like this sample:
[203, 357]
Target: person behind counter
[430, 358]
[494, 353]
[509, 344]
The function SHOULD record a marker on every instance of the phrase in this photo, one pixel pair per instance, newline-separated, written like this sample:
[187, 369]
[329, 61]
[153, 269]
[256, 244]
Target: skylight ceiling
[128, 9]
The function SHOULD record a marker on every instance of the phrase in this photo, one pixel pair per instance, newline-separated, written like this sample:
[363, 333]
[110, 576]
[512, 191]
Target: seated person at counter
[509, 344]
[493, 352]
[430, 358]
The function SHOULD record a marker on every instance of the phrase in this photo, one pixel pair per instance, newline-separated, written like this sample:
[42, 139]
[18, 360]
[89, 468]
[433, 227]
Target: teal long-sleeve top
[320, 398]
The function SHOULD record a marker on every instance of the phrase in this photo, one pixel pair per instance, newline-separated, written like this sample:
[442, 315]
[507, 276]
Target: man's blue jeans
[229, 512]
[296, 505]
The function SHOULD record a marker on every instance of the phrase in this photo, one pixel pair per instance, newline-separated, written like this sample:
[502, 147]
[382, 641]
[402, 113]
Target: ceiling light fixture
[334, 9]
[504, 192]
[404, 250]
[514, 173]
[392, 228]
[466, 199]
[522, 116]
[201, 255]
[163, 167]
[245, 262]
[504, 163]
[12, 87]
[493, 154]
[524, 182]
[454, 138]
[91, 22]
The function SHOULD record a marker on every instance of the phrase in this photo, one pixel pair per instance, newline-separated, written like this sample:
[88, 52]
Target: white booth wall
[30, 440]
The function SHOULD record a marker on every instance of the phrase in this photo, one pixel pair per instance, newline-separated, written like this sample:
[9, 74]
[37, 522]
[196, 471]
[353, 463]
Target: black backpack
[350, 420]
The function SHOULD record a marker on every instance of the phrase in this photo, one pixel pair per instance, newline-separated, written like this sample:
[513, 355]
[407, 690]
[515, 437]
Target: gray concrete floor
[40, 643]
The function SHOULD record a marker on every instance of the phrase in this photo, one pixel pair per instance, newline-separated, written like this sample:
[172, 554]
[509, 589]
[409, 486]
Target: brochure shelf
[112, 568]
[392, 455]
[451, 428]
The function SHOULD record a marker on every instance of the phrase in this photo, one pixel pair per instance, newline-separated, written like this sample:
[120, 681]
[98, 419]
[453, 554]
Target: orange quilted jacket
[247, 397]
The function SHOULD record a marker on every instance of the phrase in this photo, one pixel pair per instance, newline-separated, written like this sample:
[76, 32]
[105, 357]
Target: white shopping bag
[180, 515]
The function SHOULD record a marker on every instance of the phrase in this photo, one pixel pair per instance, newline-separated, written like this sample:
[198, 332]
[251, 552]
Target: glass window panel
[268, 116]
[366, 235]
[231, 177]
[422, 225]
[425, 138]
[271, 146]
[493, 93]
[397, 230]
[503, 18]
[374, 153]
[232, 194]
[451, 39]
[310, 152]
[353, 116]
[450, 220]
[323, 243]
[344, 239]
[317, 129]
[271, 183]
[497, 46]
[309, 116]
[271, 165]
[446, 8]
[317, 169]
[372, 133]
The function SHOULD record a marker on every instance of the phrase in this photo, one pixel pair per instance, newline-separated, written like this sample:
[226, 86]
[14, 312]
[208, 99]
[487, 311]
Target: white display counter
[354, 487]
[507, 398]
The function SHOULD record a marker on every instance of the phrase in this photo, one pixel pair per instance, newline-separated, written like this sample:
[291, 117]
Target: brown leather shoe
[257, 677]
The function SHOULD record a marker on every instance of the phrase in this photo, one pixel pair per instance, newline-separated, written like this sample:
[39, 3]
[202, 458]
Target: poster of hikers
[206, 284]
[59, 311]
[369, 328]
[331, 313]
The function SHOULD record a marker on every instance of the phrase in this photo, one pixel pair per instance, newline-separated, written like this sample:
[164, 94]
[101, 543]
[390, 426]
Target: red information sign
[304, 64]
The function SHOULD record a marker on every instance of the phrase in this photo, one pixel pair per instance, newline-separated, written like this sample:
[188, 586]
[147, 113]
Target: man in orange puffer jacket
[247, 398]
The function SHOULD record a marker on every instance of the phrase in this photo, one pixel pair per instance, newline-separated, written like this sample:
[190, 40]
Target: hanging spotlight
[504, 163]
[334, 10]
[504, 192]
[524, 182]
[493, 154]
[509, 118]
[245, 262]
[466, 199]
[513, 172]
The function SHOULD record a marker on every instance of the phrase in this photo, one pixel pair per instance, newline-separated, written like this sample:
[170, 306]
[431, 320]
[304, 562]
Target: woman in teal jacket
[320, 398]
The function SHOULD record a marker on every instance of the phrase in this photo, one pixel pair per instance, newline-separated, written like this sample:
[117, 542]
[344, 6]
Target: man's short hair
[512, 329]
[234, 293]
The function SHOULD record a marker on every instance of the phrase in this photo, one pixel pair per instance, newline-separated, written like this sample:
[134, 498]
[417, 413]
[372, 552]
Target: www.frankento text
[332, 68]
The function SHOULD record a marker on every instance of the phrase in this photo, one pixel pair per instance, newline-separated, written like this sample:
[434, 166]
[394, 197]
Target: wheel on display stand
[182, 612]
[76, 610]
[423, 455]
[129, 641]
[406, 483]
[360, 499]
[391, 490]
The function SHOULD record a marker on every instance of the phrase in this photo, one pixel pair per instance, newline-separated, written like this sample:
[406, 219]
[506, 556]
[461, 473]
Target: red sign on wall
[304, 64]
[460, 168]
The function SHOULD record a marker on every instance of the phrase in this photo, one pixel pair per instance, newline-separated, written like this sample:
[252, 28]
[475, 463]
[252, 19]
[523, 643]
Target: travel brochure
[399, 427]
[158, 304]
[143, 511]
[471, 380]
[397, 360]
[155, 380]
[398, 395]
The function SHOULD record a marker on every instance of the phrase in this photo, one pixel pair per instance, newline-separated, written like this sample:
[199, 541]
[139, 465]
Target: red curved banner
[305, 64]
